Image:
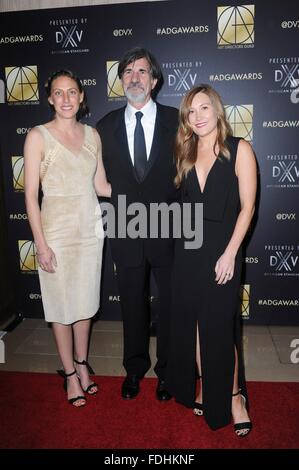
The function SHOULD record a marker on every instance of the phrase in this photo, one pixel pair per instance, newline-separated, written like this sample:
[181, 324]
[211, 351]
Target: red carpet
[34, 414]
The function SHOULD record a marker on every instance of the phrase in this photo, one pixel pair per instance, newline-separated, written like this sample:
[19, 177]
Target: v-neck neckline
[66, 148]
[202, 191]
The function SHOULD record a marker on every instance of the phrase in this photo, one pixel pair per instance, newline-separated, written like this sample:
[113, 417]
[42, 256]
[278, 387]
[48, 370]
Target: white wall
[17, 5]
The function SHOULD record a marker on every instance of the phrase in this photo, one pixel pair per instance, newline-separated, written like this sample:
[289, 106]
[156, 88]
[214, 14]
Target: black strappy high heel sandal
[72, 401]
[198, 407]
[91, 372]
[246, 425]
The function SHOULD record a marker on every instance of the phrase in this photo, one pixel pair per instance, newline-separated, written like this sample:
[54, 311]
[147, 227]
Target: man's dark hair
[141, 53]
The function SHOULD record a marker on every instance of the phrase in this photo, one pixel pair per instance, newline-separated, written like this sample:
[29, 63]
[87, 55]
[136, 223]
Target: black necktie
[140, 158]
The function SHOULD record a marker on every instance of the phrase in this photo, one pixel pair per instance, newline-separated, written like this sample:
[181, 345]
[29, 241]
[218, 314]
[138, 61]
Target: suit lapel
[120, 134]
[155, 147]
[159, 140]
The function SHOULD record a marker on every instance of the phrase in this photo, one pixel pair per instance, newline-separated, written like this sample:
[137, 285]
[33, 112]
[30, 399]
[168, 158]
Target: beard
[135, 97]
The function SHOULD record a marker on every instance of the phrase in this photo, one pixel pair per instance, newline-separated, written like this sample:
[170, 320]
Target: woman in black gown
[219, 171]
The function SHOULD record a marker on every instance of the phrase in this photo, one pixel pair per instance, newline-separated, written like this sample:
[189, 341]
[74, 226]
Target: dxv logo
[179, 79]
[284, 172]
[286, 76]
[66, 37]
[283, 261]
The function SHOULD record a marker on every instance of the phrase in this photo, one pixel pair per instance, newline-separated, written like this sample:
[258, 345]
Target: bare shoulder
[34, 144]
[244, 147]
[95, 132]
[245, 156]
[34, 133]
[34, 137]
[96, 136]
[245, 151]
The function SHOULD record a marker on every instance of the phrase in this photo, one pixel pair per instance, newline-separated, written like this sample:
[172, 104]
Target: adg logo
[18, 173]
[27, 252]
[22, 85]
[235, 26]
[114, 87]
[244, 298]
[241, 120]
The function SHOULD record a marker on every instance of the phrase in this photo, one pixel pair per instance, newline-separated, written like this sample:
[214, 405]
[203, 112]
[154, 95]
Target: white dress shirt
[148, 120]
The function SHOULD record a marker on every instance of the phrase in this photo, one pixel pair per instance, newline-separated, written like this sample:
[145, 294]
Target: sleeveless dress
[71, 221]
[198, 300]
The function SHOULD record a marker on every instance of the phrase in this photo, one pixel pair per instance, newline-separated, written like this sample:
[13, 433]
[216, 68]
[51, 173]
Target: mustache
[135, 85]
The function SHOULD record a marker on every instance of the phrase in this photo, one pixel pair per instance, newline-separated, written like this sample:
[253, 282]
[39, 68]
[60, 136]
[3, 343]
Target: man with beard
[137, 148]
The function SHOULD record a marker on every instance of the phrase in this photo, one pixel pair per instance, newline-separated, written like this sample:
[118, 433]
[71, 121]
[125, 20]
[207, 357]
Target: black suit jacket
[157, 185]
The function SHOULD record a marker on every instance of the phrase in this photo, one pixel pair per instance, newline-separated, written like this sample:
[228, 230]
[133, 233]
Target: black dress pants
[134, 290]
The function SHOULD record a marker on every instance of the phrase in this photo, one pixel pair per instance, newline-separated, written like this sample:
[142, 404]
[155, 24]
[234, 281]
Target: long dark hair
[83, 108]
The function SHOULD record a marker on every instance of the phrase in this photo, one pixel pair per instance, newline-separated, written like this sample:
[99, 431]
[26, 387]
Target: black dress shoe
[161, 391]
[130, 387]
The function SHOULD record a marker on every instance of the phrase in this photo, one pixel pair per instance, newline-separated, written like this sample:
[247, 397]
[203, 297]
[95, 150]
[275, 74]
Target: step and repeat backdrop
[249, 53]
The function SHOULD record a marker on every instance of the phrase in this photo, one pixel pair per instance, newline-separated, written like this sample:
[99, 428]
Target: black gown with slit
[198, 299]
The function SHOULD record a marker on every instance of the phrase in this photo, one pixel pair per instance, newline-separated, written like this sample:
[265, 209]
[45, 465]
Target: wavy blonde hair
[186, 140]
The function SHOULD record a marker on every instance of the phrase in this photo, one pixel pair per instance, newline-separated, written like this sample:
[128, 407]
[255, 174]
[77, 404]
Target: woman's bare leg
[81, 331]
[63, 335]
